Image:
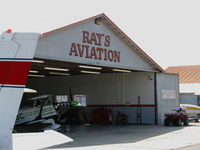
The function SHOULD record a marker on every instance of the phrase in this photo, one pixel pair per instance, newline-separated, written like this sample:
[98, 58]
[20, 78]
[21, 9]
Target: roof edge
[71, 25]
[46, 34]
[134, 44]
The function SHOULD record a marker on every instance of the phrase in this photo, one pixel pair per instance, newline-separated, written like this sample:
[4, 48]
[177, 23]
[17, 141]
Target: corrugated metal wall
[120, 92]
[114, 88]
[188, 98]
[107, 89]
[167, 95]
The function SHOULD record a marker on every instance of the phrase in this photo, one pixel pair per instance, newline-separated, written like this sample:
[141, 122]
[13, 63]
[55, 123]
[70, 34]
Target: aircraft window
[27, 104]
[38, 103]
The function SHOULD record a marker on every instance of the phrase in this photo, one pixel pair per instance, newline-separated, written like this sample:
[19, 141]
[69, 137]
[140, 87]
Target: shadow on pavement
[93, 135]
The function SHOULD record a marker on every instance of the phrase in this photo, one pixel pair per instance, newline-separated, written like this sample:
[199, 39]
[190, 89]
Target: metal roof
[187, 74]
[117, 30]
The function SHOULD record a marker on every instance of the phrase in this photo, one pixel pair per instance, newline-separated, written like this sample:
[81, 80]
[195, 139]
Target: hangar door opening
[105, 95]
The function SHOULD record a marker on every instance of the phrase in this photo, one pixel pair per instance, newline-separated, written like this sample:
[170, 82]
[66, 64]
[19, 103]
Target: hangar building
[95, 58]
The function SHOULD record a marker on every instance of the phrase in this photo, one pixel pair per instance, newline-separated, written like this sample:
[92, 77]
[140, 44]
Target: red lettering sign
[92, 50]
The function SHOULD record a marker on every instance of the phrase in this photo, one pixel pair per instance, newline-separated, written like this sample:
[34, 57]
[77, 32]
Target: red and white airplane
[16, 54]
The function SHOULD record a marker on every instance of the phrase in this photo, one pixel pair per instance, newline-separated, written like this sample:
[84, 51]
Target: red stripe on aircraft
[14, 72]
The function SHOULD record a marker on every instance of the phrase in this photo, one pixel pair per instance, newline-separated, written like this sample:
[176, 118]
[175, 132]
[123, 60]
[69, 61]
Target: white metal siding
[58, 45]
[166, 105]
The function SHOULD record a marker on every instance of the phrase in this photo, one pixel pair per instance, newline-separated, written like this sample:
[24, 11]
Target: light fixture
[122, 70]
[98, 21]
[37, 61]
[90, 72]
[89, 67]
[58, 69]
[34, 75]
[33, 71]
[59, 73]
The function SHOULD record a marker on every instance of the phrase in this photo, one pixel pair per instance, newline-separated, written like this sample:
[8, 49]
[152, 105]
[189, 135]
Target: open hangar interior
[95, 58]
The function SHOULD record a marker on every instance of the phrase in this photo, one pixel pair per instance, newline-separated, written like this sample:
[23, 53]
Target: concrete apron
[118, 137]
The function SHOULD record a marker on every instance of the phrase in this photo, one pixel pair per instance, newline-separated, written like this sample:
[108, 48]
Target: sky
[167, 30]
